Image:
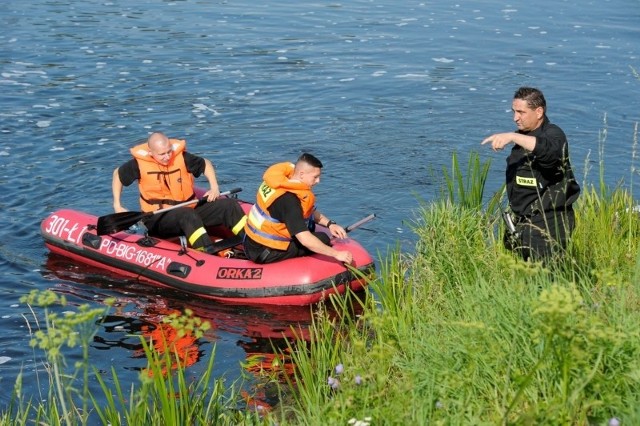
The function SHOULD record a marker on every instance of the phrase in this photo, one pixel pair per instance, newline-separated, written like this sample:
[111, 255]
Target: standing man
[278, 225]
[165, 173]
[541, 186]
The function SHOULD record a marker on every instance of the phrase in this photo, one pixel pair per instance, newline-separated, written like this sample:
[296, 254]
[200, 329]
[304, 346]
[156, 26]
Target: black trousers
[261, 254]
[185, 220]
[541, 236]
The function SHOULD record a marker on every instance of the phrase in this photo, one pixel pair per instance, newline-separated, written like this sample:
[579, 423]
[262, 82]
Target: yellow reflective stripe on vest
[257, 216]
[267, 235]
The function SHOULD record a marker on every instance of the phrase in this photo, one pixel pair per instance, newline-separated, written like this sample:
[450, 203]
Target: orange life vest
[161, 185]
[260, 226]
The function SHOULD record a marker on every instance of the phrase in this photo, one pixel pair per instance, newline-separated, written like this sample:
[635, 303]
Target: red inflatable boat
[301, 281]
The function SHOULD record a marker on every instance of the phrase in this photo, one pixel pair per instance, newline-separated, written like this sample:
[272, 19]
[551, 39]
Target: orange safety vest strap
[168, 202]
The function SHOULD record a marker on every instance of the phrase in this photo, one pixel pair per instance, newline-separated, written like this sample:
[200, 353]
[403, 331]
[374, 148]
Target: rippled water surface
[382, 91]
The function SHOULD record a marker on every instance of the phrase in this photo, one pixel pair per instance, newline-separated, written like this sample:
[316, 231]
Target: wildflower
[614, 421]
[439, 404]
[358, 380]
[339, 369]
[333, 382]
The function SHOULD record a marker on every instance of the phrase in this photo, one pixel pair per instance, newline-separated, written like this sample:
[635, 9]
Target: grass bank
[463, 332]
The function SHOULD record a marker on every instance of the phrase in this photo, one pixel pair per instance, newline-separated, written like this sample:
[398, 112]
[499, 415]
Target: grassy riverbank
[462, 332]
[459, 332]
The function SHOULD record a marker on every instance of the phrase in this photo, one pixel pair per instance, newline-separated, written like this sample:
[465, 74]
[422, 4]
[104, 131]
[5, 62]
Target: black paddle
[117, 222]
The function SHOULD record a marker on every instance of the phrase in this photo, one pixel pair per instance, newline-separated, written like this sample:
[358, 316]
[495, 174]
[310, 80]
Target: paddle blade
[117, 222]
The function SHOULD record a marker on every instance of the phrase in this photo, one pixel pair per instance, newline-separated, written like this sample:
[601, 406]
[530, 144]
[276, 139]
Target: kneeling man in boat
[165, 173]
[280, 224]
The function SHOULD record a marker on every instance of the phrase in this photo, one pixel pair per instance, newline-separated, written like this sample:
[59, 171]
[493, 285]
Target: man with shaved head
[166, 174]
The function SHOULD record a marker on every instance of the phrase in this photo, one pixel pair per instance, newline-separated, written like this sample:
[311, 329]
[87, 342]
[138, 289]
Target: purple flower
[614, 421]
[339, 369]
[358, 380]
[333, 382]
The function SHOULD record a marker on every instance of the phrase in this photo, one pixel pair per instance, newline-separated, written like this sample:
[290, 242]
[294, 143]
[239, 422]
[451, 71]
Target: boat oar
[117, 222]
[360, 222]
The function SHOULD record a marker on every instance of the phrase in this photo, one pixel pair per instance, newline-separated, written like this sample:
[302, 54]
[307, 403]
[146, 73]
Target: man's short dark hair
[533, 96]
[310, 160]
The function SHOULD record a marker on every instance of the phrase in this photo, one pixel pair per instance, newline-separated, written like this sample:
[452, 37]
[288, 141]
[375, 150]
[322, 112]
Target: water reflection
[139, 304]
[260, 334]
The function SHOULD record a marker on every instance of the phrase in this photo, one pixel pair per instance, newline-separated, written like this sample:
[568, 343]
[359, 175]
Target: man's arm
[116, 189]
[551, 147]
[500, 140]
[197, 166]
[287, 209]
[123, 176]
[335, 229]
[210, 174]
[312, 242]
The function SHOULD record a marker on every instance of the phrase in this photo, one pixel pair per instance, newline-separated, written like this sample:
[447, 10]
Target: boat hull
[300, 281]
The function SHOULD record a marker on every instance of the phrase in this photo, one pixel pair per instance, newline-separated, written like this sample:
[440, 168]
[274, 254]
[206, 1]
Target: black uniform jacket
[541, 180]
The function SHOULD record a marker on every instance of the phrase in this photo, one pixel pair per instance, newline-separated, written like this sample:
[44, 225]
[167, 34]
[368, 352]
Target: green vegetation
[164, 396]
[463, 332]
[459, 332]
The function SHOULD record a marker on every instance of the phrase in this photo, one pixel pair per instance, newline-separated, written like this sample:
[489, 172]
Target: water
[382, 91]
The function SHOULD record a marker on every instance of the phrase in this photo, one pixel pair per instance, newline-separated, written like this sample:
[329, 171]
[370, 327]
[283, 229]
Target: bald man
[166, 174]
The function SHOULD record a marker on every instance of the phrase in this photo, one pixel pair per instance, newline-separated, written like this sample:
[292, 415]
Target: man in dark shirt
[540, 183]
[278, 225]
[165, 173]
